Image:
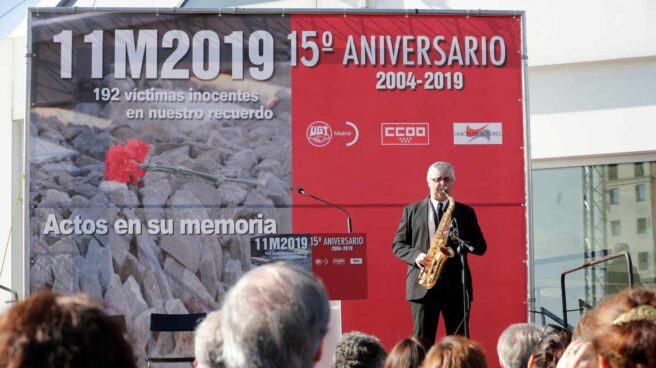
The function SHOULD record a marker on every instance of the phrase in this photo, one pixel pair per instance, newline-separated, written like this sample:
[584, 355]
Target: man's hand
[421, 260]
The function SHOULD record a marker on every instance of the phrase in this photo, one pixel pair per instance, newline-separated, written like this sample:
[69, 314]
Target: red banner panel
[391, 95]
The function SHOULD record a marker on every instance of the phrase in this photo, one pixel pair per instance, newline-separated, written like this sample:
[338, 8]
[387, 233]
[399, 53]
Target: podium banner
[339, 260]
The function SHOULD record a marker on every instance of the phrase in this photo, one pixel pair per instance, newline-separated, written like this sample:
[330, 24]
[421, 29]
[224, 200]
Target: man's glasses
[445, 179]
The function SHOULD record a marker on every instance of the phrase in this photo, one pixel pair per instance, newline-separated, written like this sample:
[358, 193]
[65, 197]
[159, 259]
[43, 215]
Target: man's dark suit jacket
[412, 238]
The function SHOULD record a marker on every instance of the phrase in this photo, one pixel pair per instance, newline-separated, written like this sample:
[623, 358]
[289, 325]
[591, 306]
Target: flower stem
[184, 171]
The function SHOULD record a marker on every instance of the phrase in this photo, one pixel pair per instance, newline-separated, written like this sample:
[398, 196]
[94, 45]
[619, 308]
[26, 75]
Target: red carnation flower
[122, 162]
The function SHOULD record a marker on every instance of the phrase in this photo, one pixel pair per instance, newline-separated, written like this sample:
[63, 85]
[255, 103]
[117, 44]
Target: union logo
[319, 134]
[474, 133]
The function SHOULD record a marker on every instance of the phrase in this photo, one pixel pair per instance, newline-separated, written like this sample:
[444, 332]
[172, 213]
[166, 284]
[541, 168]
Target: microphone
[300, 190]
[462, 243]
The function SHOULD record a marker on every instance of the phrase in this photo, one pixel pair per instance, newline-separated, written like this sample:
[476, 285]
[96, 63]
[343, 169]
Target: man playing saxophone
[412, 241]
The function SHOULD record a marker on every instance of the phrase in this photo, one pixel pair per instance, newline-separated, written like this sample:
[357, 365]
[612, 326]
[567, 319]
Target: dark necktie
[436, 217]
[440, 211]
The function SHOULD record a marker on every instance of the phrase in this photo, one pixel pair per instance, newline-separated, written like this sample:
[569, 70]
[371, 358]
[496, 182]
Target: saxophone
[438, 253]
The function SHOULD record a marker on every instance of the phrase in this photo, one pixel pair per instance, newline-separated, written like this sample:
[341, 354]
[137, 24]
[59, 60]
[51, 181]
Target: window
[638, 169]
[642, 225]
[612, 171]
[615, 228]
[568, 210]
[640, 192]
[643, 261]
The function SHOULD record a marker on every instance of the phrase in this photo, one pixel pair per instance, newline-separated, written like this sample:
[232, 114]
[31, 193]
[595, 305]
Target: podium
[339, 260]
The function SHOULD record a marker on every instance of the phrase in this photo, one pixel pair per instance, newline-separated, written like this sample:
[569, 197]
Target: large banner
[161, 143]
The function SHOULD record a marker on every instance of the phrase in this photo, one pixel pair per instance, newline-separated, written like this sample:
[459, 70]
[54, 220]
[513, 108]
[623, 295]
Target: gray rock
[231, 194]
[276, 189]
[185, 248]
[244, 159]
[99, 260]
[123, 198]
[207, 268]
[89, 281]
[116, 300]
[79, 201]
[41, 274]
[174, 271]
[126, 265]
[84, 160]
[66, 246]
[45, 151]
[56, 198]
[175, 157]
[175, 306]
[275, 152]
[140, 332]
[155, 193]
[206, 194]
[194, 295]
[151, 291]
[66, 278]
[215, 155]
[93, 142]
[232, 271]
[136, 302]
[260, 133]
[269, 165]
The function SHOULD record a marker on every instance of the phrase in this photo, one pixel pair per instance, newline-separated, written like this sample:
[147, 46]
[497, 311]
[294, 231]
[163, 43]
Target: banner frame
[24, 283]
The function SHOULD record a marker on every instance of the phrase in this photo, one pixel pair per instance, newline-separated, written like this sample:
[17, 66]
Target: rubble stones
[137, 274]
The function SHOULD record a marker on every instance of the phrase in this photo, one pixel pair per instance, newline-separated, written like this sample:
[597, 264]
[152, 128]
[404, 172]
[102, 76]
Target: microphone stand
[462, 249]
[349, 225]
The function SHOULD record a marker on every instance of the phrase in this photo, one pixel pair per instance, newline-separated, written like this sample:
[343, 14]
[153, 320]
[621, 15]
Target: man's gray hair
[516, 344]
[208, 343]
[442, 166]
[275, 316]
[357, 349]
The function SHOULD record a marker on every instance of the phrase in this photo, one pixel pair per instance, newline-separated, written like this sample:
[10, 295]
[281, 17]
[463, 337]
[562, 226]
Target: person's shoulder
[415, 205]
[463, 207]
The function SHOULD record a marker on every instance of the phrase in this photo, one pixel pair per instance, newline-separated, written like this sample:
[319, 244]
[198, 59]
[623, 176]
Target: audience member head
[64, 331]
[584, 331]
[516, 344]
[550, 348]
[275, 316]
[359, 350]
[455, 352]
[208, 345]
[407, 353]
[626, 329]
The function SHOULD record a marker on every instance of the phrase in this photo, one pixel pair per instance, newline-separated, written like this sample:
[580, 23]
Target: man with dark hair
[550, 348]
[359, 350]
[275, 316]
[412, 241]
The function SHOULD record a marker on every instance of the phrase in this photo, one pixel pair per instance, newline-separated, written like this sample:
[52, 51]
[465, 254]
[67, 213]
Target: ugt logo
[319, 133]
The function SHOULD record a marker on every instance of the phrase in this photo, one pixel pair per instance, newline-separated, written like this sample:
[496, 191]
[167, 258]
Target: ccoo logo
[404, 134]
[319, 133]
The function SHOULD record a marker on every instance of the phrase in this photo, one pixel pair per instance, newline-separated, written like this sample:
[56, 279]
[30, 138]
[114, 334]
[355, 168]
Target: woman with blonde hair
[618, 333]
